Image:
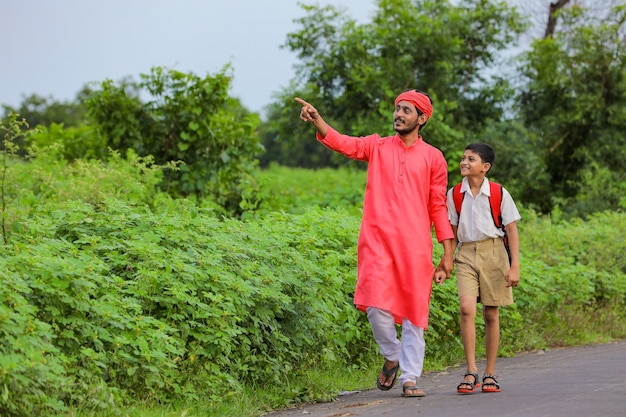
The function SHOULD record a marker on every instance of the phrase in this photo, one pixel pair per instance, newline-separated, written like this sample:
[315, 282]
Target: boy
[486, 273]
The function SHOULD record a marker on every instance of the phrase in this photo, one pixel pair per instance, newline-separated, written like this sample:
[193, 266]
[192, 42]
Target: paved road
[570, 382]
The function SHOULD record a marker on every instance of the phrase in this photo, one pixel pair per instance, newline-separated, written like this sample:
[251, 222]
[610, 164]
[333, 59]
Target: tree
[575, 101]
[554, 8]
[187, 119]
[43, 111]
[352, 73]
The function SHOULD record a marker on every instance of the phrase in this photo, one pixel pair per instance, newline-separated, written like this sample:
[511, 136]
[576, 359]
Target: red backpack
[495, 201]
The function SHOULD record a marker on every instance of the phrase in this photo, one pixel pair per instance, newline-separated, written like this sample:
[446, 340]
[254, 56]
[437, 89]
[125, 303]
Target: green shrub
[32, 374]
[113, 294]
[295, 190]
[70, 143]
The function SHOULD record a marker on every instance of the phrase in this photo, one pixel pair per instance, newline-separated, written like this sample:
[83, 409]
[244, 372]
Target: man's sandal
[492, 386]
[417, 391]
[388, 373]
[467, 387]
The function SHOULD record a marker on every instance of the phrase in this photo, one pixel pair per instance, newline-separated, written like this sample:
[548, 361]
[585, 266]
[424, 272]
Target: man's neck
[409, 138]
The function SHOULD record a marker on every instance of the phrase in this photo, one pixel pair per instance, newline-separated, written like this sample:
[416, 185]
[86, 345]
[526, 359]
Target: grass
[324, 384]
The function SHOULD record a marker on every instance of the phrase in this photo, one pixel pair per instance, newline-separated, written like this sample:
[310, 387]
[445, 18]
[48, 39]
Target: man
[405, 194]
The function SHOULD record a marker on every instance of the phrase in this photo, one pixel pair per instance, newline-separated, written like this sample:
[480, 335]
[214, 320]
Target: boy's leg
[491, 315]
[384, 331]
[468, 333]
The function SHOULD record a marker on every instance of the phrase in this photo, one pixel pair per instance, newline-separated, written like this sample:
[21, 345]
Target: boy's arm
[513, 275]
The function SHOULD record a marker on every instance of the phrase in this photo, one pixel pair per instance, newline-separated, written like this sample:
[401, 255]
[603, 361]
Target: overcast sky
[54, 47]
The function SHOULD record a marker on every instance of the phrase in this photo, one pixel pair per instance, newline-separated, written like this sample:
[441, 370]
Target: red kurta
[405, 195]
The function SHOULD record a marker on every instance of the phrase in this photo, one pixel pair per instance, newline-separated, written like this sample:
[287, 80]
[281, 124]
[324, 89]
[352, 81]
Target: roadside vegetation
[179, 256]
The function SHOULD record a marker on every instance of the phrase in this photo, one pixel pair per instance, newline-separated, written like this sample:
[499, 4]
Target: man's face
[406, 118]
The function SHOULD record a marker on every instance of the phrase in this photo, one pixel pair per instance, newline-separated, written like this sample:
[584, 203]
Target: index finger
[304, 103]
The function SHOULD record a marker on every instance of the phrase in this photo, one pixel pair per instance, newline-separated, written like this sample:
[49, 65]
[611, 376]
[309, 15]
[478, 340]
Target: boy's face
[472, 166]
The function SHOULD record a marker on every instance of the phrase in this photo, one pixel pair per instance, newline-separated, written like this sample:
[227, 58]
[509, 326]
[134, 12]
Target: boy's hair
[483, 150]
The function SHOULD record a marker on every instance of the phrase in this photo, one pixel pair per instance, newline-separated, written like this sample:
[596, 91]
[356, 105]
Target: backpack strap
[495, 201]
[458, 197]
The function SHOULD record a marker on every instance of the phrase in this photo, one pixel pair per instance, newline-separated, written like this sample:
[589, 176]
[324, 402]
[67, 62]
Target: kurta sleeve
[437, 205]
[350, 146]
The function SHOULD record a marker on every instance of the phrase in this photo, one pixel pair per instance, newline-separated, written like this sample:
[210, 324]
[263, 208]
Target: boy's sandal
[388, 373]
[417, 391]
[491, 386]
[466, 387]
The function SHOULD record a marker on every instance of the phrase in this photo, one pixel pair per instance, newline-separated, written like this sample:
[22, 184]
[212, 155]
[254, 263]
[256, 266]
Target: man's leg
[384, 330]
[412, 358]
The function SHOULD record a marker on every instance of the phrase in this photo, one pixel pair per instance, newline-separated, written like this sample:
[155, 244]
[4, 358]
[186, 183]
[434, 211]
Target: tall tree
[575, 100]
[352, 72]
[554, 8]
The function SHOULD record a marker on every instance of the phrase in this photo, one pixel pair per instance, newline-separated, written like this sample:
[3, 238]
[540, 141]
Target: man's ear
[486, 166]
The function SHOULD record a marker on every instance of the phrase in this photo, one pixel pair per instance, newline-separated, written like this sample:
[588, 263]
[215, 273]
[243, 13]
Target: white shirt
[476, 222]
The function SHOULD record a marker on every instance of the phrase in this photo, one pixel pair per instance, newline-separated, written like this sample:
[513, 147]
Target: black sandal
[490, 386]
[388, 373]
[472, 385]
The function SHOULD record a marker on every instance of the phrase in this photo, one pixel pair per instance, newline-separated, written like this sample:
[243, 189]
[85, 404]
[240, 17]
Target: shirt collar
[484, 188]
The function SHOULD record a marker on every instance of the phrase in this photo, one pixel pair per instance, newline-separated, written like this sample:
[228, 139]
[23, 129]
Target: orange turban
[419, 100]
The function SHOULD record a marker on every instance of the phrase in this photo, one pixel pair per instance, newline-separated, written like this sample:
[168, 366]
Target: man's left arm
[439, 213]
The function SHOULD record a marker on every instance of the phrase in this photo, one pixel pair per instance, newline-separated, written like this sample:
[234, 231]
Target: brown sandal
[406, 388]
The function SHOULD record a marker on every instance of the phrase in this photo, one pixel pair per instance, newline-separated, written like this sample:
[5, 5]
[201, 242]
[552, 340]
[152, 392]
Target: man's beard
[407, 128]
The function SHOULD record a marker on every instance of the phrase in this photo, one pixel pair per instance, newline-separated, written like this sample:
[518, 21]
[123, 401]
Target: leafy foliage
[574, 102]
[69, 143]
[327, 187]
[352, 73]
[188, 119]
[117, 296]
[114, 295]
[45, 111]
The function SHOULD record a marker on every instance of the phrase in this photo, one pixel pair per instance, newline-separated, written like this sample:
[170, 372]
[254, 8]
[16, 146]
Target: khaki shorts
[480, 270]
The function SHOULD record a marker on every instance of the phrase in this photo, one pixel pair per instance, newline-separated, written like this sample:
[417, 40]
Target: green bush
[70, 143]
[189, 120]
[114, 294]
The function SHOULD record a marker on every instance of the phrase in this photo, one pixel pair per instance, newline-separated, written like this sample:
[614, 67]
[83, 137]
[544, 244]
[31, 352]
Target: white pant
[410, 351]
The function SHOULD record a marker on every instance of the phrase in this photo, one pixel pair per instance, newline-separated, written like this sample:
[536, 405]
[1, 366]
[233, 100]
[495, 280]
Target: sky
[52, 48]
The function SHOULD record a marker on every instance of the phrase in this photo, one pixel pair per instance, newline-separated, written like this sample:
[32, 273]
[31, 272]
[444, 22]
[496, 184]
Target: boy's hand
[512, 277]
[440, 276]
